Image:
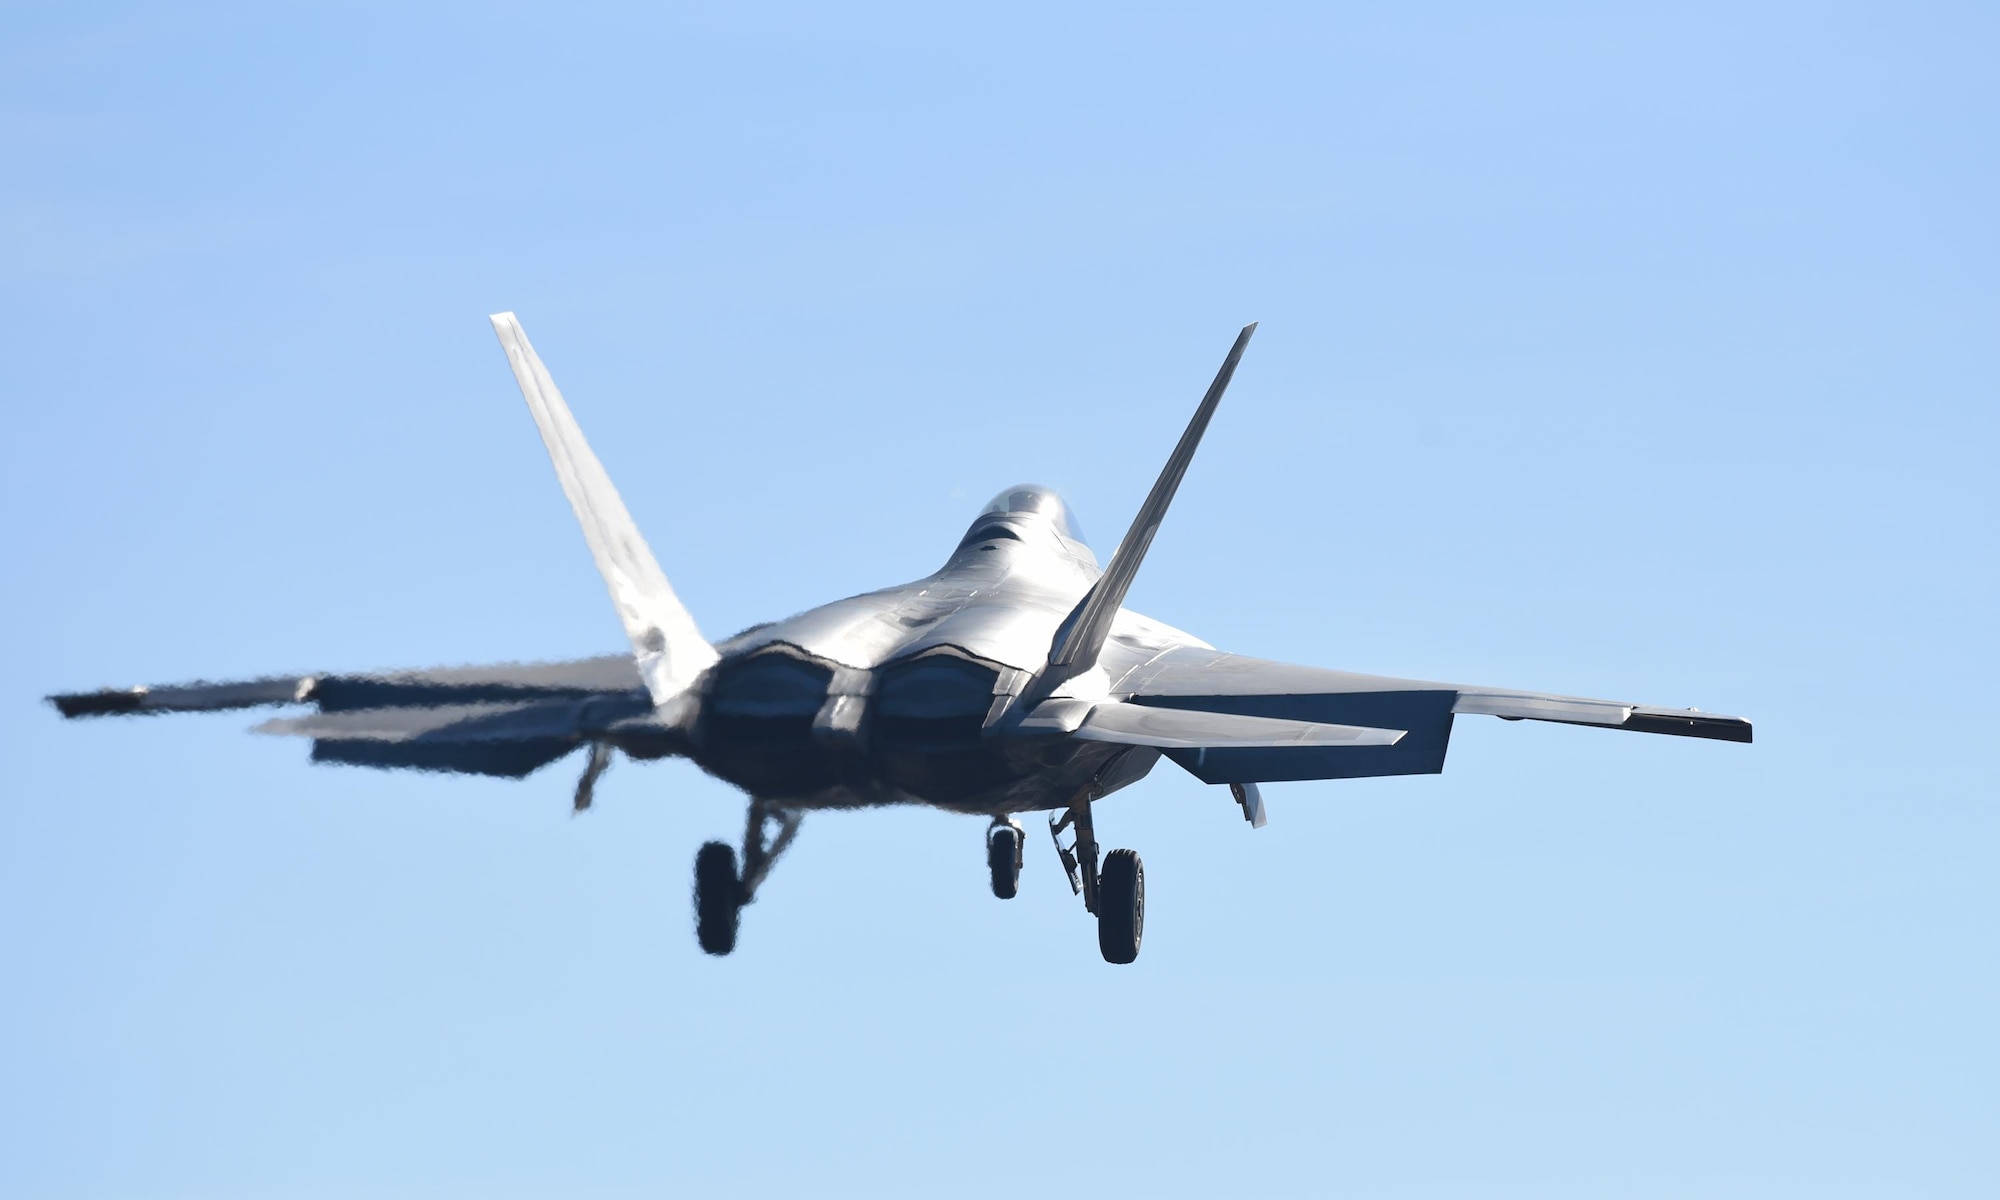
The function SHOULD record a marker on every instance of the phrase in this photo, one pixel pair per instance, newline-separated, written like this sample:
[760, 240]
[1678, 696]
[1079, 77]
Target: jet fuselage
[893, 696]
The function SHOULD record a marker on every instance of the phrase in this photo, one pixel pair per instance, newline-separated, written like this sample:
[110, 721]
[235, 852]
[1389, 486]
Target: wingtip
[109, 702]
[501, 319]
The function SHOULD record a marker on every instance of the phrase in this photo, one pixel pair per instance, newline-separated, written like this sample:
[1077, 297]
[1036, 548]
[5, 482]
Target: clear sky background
[1645, 353]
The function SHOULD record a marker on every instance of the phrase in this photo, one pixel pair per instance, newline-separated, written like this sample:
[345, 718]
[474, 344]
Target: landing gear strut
[1116, 896]
[600, 761]
[719, 892]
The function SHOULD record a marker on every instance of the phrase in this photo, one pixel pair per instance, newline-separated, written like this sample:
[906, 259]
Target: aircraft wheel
[1003, 858]
[718, 897]
[1121, 906]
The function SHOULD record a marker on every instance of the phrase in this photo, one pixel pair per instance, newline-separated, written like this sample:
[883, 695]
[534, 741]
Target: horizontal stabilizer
[1186, 729]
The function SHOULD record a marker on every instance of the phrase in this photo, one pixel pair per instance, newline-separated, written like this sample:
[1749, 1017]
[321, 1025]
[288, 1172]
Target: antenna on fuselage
[1080, 638]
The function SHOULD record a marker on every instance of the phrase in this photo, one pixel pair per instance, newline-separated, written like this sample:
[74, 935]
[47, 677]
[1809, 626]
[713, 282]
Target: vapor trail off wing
[669, 648]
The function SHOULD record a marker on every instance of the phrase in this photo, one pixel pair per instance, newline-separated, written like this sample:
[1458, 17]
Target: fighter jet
[1010, 681]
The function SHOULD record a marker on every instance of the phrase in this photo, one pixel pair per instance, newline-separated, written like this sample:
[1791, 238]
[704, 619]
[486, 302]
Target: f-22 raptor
[1012, 680]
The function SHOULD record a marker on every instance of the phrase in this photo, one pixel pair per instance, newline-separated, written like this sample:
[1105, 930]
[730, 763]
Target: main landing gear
[1003, 857]
[719, 892]
[1115, 895]
[1121, 907]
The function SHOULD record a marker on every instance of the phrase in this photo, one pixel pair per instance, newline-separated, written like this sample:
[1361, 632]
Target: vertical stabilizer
[1080, 637]
[670, 651]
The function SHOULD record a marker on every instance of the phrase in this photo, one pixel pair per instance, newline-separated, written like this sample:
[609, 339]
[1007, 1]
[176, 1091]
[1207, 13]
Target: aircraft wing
[1164, 728]
[506, 719]
[1194, 679]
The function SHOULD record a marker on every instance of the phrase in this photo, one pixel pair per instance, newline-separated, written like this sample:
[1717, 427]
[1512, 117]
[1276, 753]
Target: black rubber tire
[1003, 859]
[718, 897]
[1121, 906]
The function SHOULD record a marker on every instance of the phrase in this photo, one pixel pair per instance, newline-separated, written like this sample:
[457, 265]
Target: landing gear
[718, 898]
[600, 761]
[1121, 907]
[1116, 895]
[720, 892]
[1003, 857]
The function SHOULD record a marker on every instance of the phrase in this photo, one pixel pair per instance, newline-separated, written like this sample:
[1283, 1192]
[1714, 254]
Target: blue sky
[1644, 353]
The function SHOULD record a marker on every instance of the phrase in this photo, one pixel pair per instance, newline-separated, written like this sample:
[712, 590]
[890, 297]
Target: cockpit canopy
[1023, 500]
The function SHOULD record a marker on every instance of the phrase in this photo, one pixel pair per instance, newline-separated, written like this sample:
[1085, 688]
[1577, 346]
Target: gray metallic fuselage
[895, 696]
